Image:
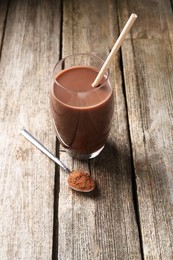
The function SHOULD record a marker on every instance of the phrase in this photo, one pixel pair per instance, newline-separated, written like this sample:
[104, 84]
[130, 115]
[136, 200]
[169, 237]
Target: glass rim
[76, 91]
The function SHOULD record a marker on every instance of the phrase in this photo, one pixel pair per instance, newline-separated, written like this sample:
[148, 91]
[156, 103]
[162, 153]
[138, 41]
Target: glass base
[74, 154]
[85, 156]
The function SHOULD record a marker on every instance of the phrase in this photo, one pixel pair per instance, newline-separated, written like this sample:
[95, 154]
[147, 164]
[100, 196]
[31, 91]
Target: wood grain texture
[148, 67]
[101, 225]
[30, 50]
[130, 214]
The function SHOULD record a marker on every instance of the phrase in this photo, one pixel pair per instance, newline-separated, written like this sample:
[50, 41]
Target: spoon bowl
[77, 180]
[81, 181]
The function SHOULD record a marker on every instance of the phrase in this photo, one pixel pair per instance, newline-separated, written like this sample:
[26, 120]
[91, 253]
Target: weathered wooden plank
[30, 50]
[148, 67]
[101, 225]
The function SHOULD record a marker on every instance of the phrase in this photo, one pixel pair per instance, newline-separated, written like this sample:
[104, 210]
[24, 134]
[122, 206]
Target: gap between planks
[57, 171]
[56, 206]
[4, 28]
[134, 184]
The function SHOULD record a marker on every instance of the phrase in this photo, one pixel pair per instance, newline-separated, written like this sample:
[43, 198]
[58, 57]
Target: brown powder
[81, 181]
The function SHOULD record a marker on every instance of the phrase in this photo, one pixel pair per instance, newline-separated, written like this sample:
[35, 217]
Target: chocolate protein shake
[82, 114]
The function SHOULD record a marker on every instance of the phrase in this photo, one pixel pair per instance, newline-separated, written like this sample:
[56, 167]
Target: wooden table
[130, 214]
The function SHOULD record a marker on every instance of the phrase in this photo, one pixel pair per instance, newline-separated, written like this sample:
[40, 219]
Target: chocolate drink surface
[82, 114]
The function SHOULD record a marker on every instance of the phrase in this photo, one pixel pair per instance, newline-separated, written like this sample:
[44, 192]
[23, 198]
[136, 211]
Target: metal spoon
[72, 174]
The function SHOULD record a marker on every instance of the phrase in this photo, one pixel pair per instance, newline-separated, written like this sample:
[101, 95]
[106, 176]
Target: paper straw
[115, 49]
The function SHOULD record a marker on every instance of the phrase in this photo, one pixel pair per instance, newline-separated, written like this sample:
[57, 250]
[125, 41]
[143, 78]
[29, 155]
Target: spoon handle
[35, 142]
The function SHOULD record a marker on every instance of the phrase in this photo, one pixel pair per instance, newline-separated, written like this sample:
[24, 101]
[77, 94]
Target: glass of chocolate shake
[82, 114]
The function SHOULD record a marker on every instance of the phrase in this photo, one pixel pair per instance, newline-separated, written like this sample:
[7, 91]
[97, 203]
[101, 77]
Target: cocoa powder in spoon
[81, 181]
